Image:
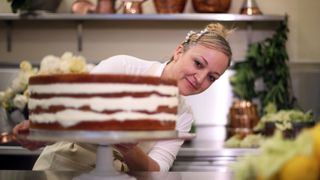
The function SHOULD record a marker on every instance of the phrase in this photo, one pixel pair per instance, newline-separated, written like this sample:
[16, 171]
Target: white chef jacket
[163, 152]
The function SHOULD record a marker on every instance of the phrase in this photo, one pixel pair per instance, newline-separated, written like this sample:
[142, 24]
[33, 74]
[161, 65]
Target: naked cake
[102, 102]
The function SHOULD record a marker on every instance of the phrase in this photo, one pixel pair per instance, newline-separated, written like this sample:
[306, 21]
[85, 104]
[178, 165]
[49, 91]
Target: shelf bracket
[249, 33]
[8, 25]
[79, 35]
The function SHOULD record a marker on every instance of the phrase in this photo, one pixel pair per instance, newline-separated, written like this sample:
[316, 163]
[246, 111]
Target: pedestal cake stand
[104, 160]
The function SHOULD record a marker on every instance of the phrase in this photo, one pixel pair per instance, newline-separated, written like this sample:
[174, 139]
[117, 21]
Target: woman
[196, 63]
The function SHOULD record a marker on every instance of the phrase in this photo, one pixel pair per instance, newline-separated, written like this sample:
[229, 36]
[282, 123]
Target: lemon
[274, 177]
[300, 167]
[316, 137]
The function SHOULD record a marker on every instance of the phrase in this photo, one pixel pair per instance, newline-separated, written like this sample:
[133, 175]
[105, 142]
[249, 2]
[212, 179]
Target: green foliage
[266, 61]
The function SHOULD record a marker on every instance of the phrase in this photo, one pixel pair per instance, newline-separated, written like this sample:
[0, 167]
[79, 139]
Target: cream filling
[71, 117]
[91, 88]
[150, 103]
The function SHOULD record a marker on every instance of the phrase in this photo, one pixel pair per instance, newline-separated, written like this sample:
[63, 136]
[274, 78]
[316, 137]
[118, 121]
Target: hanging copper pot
[211, 6]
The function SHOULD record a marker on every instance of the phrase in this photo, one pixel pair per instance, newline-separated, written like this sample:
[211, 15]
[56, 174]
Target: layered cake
[102, 102]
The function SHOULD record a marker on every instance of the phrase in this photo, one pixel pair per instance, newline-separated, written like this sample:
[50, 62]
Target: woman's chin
[187, 92]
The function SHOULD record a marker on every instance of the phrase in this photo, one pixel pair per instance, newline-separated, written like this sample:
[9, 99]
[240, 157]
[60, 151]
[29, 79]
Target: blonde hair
[212, 36]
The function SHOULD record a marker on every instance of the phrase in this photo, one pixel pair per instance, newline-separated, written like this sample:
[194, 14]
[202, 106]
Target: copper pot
[106, 6]
[169, 6]
[82, 7]
[243, 116]
[211, 6]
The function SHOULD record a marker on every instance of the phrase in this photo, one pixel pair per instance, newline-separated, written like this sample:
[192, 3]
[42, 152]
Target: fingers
[22, 127]
[32, 145]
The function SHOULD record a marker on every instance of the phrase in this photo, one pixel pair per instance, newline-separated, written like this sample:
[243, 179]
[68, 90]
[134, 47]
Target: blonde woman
[196, 64]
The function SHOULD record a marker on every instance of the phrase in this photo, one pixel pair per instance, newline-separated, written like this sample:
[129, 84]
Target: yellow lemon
[274, 177]
[300, 167]
[316, 137]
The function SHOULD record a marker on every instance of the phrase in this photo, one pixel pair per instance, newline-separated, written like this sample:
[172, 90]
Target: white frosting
[71, 117]
[92, 88]
[127, 105]
[150, 103]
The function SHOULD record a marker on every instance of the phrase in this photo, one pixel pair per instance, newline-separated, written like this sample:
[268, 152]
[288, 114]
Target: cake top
[99, 78]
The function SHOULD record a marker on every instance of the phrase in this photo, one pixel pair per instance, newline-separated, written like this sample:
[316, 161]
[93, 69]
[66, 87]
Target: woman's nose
[200, 77]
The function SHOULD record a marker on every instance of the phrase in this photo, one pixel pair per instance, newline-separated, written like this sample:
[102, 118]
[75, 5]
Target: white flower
[25, 66]
[66, 56]
[20, 101]
[90, 67]
[5, 96]
[19, 83]
[64, 66]
[77, 64]
[8, 93]
[2, 94]
[50, 65]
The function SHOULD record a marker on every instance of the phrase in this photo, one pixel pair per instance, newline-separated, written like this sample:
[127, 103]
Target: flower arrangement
[16, 96]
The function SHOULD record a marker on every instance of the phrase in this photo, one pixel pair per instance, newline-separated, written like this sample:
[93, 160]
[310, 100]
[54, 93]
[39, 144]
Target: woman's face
[197, 68]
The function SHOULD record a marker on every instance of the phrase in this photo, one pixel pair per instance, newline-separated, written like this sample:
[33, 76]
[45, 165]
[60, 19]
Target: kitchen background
[156, 40]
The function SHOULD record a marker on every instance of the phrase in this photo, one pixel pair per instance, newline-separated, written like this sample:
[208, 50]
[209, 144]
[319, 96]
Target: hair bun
[219, 29]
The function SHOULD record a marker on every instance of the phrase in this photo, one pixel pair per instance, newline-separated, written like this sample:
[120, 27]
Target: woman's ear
[178, 52]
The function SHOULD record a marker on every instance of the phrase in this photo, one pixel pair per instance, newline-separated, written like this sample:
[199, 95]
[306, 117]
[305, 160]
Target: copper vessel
[169, 6]
[105, 6]
[82, 7]
[6, 126]
[211, 6]
[250, 7]
[243, 116]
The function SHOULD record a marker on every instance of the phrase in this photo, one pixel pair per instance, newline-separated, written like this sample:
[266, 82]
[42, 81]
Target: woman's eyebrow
[206, 62]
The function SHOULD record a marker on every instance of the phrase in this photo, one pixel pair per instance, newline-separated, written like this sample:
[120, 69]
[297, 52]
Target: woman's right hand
[23, 128]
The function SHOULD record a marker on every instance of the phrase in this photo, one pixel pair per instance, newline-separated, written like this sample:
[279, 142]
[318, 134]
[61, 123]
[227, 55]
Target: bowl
[297, 127]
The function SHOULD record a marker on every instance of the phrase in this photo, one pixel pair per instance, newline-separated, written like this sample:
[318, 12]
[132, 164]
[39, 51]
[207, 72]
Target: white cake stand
[104, 162]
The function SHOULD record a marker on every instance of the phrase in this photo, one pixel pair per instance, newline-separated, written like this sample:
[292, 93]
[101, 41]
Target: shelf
[144, 17]
[9, 18]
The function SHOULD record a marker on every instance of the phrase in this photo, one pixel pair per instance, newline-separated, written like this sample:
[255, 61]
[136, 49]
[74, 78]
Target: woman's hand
[135, 158]
[124, 148]
[23, 128]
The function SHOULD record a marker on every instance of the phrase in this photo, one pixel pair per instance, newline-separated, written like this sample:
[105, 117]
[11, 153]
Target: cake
[102, 102]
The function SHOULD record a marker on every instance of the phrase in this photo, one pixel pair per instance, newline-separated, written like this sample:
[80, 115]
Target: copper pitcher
[243, 116]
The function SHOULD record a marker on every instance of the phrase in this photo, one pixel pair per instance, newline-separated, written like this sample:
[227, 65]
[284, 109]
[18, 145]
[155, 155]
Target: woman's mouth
[191, 84]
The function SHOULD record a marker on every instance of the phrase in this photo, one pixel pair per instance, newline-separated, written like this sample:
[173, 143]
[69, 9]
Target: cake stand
[104, 160]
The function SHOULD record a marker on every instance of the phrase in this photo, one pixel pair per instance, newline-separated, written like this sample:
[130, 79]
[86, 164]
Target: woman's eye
[211, 78]
[198, 64]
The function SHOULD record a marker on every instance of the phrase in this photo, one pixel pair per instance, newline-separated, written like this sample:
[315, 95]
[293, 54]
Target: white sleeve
[165, 152]
[114, 64]
[122, 64]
